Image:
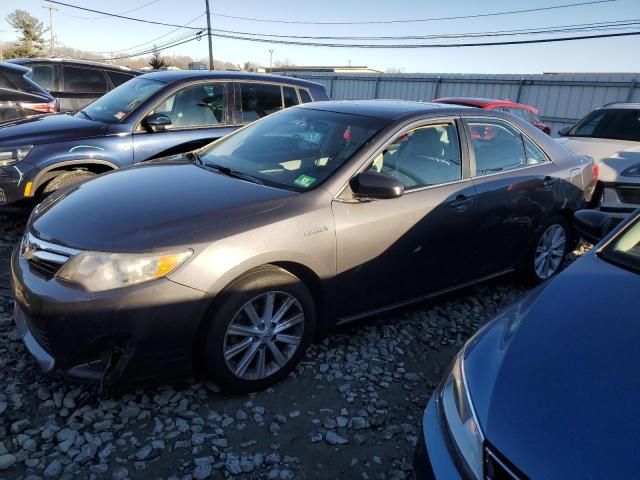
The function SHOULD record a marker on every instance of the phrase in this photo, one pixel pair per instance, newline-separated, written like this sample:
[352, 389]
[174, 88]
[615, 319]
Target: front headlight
[632, 171]
[461, 420]
[11, 155]
[98, 271]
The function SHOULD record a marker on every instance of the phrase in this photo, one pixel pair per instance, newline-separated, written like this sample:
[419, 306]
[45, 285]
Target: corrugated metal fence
[561, 98]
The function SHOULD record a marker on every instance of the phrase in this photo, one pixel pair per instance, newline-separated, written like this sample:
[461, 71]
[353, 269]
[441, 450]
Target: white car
[611, 136]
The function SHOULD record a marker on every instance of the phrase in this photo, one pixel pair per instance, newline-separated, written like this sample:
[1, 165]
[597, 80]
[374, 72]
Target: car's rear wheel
[548, 252]
[67, 179]
[260, 331]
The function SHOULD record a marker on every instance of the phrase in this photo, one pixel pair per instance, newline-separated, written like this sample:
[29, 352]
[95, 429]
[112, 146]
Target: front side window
[42, 75]
[497, 146]
[296, 149]
[422, 157]
[620, 124]
[200, 105]
[83, 80]
[259, 100]
[119, 102]
[625, 248]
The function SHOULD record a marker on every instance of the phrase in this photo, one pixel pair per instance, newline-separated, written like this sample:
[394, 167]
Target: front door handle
[460, 203]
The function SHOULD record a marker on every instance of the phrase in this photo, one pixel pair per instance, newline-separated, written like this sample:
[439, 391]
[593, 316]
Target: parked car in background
[530, 395]
[75, 83]
[236, 255]
[19, 96]
[611, 136]
[154, 115]
[525, 112]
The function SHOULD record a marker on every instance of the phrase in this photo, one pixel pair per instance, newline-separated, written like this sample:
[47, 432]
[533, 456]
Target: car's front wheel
[260, 331]
[548, 252]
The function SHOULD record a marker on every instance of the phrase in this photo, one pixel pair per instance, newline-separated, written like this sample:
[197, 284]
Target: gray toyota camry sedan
[230, 259]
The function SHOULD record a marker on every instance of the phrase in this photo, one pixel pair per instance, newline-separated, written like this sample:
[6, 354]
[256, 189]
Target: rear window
[259, 100]
[83, 80]
[42, 75]
[118, 78]
[621, 124]
[305, 97]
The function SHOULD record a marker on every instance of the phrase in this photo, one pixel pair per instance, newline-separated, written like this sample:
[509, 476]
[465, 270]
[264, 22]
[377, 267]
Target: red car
[526, 112]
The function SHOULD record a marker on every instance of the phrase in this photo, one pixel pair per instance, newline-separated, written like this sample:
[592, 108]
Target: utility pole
[209, 35]
[51, 8]
[270, 60]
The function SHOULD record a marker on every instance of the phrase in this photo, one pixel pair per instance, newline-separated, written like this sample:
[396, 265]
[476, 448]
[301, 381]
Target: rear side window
[118, 78]
[290, 96]
[497, 146]
[535, 156]
[42, 75]
[304, 96]
[83, 80]
[259, 100]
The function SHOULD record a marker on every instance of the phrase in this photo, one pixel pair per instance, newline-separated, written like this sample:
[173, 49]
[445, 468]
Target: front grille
[45, 258]
[629, 194]
[499, 468]
[47, 269]
[39, 333]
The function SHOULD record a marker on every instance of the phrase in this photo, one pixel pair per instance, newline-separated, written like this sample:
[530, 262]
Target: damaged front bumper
[140, 333]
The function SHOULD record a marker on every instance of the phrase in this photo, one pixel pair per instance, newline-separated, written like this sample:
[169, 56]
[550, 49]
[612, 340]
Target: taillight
[595, 171]
[39, 107]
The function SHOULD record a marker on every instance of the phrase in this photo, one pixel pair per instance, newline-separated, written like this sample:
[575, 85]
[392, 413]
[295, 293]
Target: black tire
[253, 288]
[67, 179]
[527, 268]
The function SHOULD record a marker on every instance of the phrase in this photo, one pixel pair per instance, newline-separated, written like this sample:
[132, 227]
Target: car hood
[49, 128]
[553, 379]
[148, 206]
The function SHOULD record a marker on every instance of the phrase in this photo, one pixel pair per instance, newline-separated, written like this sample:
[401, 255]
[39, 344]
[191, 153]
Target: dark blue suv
[153, 115]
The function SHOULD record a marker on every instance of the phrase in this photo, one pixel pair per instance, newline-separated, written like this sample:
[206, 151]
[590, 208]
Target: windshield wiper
[233, 173]
[86, 114]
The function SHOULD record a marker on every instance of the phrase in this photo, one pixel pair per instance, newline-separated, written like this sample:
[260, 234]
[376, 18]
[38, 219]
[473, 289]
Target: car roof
[622, 106]
[485, 103]
[186, 75]
[71, 61]
[384, 109]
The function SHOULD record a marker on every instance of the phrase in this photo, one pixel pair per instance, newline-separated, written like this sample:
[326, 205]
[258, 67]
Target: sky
[97, 33]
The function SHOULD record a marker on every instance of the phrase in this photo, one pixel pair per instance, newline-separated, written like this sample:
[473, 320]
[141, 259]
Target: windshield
[625, 248]
[623, 124]
[119, 102]
[296, 149]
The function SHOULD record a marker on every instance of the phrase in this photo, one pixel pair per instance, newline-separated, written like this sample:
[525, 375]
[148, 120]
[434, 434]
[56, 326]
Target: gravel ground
[351, 410]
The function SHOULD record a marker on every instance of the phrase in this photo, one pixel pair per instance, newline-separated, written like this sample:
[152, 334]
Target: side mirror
[376, 185]
[592, 225]
[156, 122]
[563, 131]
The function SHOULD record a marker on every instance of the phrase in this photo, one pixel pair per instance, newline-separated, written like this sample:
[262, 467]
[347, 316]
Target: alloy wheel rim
[550, 251]
[263, 336]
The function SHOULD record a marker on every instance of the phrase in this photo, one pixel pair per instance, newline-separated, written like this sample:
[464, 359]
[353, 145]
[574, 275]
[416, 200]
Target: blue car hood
[48, 129]
[554, 379]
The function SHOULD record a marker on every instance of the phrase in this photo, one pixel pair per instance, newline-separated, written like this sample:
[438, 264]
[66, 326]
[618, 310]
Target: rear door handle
[460, 203]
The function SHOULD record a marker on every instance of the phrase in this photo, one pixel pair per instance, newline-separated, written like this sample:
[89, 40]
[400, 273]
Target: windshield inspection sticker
[304, 181]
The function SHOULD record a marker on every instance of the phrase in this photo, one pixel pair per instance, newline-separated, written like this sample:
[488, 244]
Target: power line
[612, 25]
[429, 45]
[157, 38]
[415, 20]
[120, 13]
[130, 18]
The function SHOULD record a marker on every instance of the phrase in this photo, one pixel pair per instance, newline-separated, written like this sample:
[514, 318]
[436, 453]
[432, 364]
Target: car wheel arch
[47, 174]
